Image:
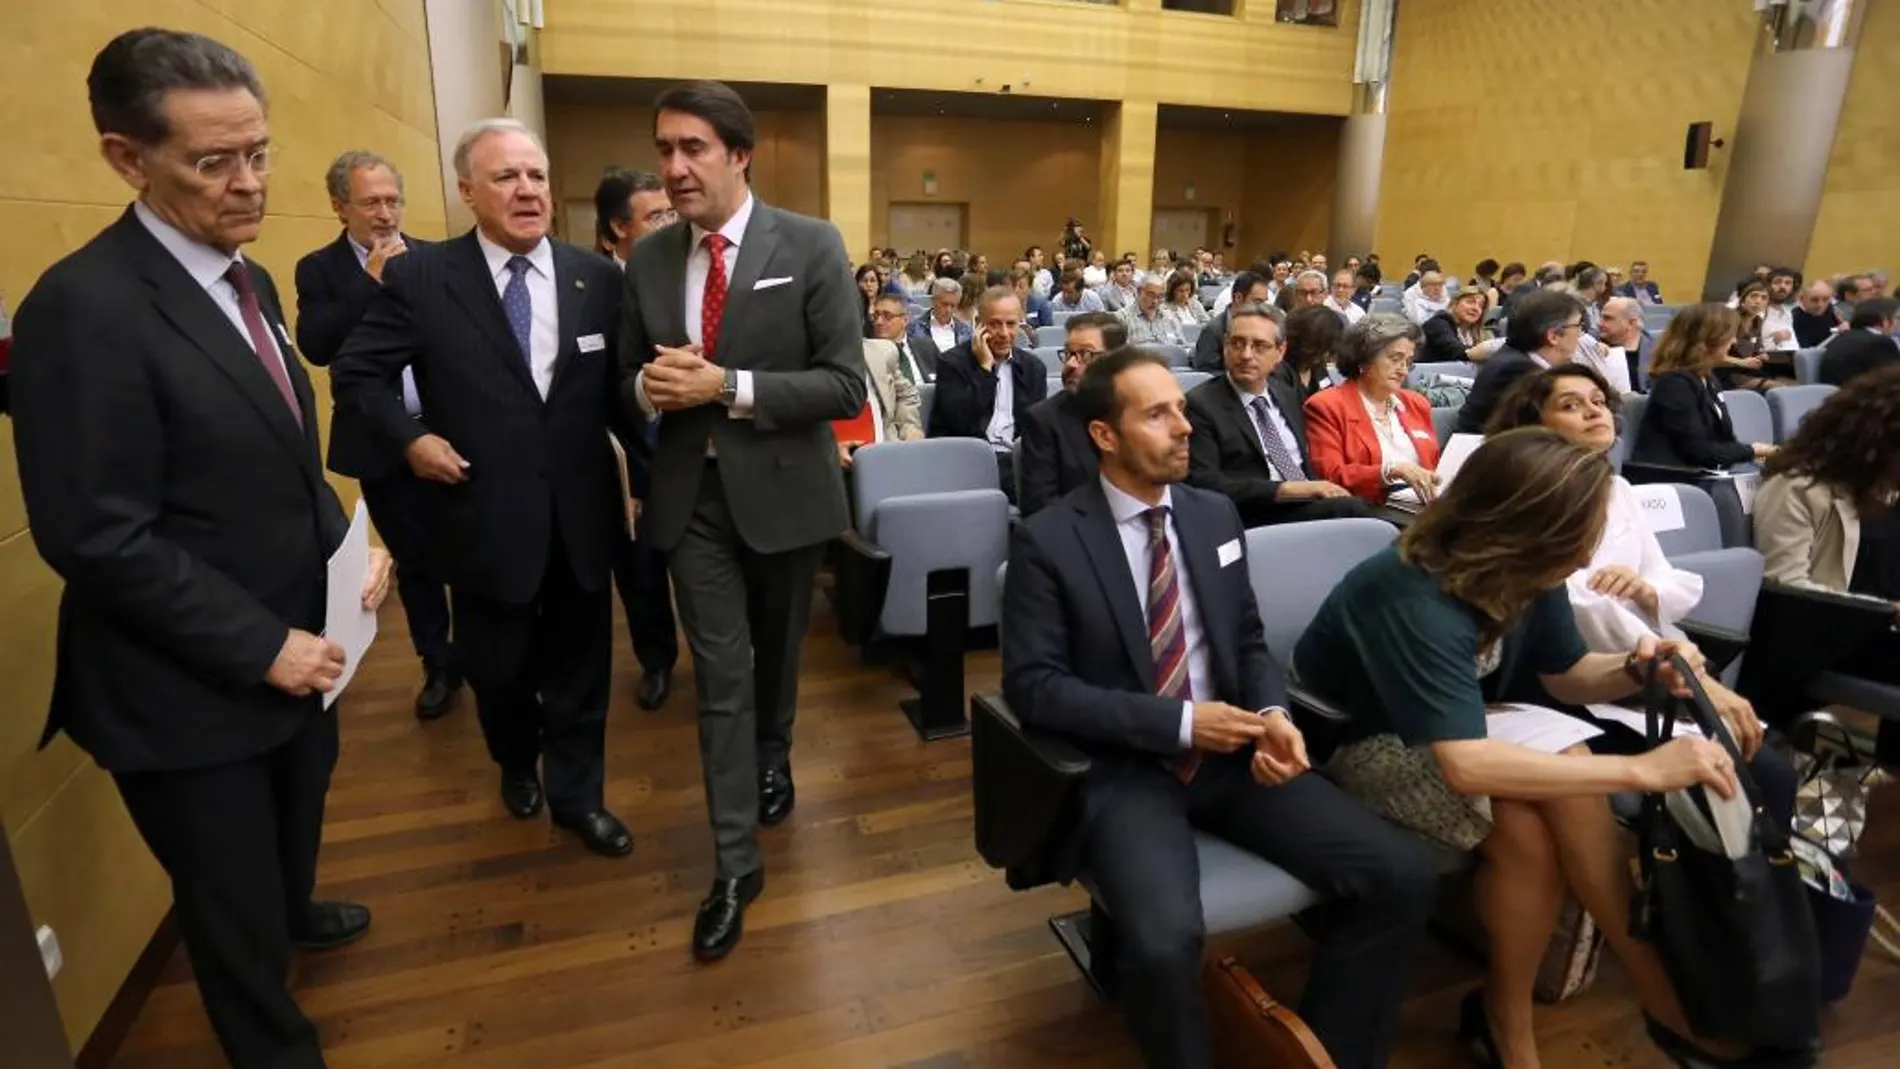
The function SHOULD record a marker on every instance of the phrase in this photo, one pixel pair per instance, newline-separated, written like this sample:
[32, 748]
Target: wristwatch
[729, 392]
[1633, 668]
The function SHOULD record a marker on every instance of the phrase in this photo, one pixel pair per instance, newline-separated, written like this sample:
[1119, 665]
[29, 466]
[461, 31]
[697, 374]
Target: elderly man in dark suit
[167, 442]
[1249, 440]
[511, 335]
[986, 386]
[743, 328]
[1133, 631]
[334, 288]
[1056, 454]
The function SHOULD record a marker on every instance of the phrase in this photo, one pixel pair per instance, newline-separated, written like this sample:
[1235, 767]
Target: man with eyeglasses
[1544, 330]
[334, 287]
[1144, 319]
[1056, 456]
[167, 446]
[1249, 441]
[916, 354]
[628, 205]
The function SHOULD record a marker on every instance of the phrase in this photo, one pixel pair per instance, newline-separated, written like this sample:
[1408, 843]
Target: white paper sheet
[1458, 449]
[1661, 506]
[344, 620]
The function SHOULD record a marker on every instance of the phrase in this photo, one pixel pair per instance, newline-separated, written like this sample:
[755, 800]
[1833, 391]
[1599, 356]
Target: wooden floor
[881, 940]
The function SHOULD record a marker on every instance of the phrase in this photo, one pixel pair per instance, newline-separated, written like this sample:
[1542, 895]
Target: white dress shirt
[1395, 442]
[1349, 310]
[544, 331]
[411, 401]
[1778, 319]
[1133, 529]
[944, 334]
[207, 266]
[698, 269]
[1419, 307]
[1002, 428]
[1280, 427]
[1612, 625]
[1610, 361]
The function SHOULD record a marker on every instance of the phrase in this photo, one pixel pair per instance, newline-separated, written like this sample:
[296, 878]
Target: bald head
[1816, 297]
[1622, 322]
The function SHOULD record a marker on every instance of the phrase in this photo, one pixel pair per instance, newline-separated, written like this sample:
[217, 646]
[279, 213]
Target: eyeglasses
[1578, 325]
[884, 317]
[220, 166]
[368, 204]
[1082, 355]
[662, 217]
[1256, 346]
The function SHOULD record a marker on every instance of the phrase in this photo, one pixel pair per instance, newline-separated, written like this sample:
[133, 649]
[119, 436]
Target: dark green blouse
[1400, 655]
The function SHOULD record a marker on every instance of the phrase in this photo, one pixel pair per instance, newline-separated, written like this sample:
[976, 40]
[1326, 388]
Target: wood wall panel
[1019, 179]
[1554, 132]
[585, 138]
[1046, 48]
[1859, 225]
[1276, 182]
[339, 75]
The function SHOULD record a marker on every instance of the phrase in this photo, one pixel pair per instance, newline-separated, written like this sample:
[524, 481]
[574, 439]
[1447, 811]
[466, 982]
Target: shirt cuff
[741, 407]
[640, 394]
[1187, 725]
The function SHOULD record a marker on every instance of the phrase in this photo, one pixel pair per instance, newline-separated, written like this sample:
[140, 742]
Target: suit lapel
[1230, 401]
[1096, 527]
[570, 296]
[761, 241]
[670, 285]
[473, 288]
[193, 312]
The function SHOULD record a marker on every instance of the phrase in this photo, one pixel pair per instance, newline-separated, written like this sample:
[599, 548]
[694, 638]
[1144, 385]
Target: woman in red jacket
[1370, 432]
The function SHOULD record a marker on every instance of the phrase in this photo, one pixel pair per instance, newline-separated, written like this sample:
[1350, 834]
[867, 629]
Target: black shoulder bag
[1735, 935]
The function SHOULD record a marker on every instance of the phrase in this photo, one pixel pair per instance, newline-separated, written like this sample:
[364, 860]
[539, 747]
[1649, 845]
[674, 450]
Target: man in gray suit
[742, 325]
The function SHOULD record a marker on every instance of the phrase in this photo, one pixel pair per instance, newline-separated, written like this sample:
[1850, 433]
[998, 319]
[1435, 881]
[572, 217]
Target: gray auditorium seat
[1789, 405]
[1748, 410]
[1051, 357]
[1807, 366]
[1051, 336]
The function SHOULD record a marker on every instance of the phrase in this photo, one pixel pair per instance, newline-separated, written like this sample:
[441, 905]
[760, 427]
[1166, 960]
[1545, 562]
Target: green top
[1398, 654]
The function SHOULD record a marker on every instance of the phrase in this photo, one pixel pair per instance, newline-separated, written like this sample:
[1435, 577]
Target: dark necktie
[1283, 460]
[712, 307]
[239, 276]
[1167, 631]
[520, 308]
[903, 364]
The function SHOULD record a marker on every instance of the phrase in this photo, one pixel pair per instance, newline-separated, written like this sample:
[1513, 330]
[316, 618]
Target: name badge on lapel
[591, 343]
[1229, 552]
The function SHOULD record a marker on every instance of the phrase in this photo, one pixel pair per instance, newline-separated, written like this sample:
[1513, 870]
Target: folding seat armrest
[1307, 703]
[1642, 471]
[1025, 785]
[863, 576]
[1319, 720]
[1719, 645]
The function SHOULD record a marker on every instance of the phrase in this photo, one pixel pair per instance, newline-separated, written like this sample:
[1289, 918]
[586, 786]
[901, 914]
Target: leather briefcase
[1250, 1029]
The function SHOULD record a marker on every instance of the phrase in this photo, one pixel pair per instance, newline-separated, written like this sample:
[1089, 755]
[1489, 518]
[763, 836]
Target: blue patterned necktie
[520, 310]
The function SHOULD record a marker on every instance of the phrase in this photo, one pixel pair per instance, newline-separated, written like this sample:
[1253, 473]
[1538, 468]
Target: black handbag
[1736, 935]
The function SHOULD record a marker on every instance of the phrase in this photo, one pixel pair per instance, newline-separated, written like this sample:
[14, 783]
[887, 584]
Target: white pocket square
[768, 283]
[1229, 552]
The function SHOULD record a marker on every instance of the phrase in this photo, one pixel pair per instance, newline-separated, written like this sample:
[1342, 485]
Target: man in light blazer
[892, 400]
[916, 355]
[742, 326]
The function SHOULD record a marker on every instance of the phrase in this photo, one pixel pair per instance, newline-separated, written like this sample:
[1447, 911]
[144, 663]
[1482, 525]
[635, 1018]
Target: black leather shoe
[776, 795]
[721, 917]
[601, 831]
[1474, 1028]
[521, 793]
[439, 684]
[654, 688]
[1689, 1056]
[330, 924]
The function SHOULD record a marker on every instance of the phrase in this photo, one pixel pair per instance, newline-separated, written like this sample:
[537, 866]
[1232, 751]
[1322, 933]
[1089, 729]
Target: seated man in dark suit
[1868, 344]
[1543, 332]
[1133, 631]
[986, 386]
[1249, 441]
[1249, 288]
[1056, 455]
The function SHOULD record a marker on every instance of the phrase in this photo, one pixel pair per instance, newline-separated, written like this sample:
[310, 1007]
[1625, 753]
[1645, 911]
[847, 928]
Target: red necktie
[239, 277]
[1167, 631]
[713, 306]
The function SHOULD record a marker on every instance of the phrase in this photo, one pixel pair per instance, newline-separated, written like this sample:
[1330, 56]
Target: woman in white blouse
[1182, 302]
[1628, 589]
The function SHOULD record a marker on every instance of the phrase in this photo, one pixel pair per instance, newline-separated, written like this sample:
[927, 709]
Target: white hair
[465, 145]
[1310, 273]
[946, 285]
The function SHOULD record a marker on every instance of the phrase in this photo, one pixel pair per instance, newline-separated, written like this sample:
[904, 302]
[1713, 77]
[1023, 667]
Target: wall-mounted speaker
[1696, 145]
